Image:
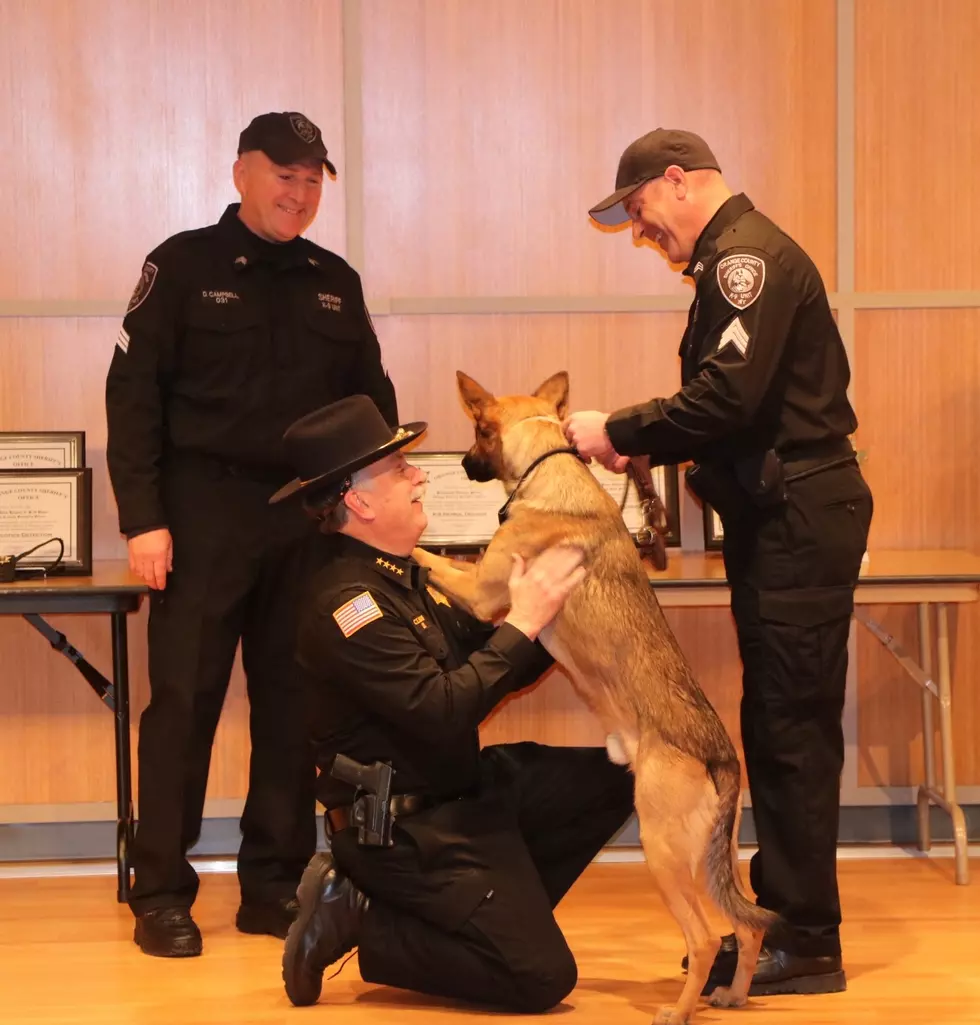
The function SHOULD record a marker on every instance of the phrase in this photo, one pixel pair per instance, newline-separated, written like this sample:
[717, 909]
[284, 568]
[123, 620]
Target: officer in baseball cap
[286, 138]
[648, 158]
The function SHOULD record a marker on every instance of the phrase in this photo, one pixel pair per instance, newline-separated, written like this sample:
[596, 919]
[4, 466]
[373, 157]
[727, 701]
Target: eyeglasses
[347, 484]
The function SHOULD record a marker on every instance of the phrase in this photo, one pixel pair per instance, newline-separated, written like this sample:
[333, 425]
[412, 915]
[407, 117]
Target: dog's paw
[724, 997]
[670, 1016]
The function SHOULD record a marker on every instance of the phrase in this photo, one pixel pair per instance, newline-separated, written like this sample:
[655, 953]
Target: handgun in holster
[735, 489]
[371, 807]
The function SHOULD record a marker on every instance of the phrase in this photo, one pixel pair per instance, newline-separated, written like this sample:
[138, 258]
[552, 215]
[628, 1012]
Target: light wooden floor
[912, 943]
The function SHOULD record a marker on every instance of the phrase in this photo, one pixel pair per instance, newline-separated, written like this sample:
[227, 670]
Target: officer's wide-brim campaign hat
[287, 137]
[326, 446]
[647, 158]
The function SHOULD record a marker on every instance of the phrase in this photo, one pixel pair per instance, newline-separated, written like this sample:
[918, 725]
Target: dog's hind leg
[673, 805]
[749, 944]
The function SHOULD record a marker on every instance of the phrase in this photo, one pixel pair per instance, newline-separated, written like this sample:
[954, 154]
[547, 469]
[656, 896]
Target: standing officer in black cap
[446, 862]
[232, 332]
[763, 413]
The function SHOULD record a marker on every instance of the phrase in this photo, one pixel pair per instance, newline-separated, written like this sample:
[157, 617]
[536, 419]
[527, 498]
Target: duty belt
[816, 458]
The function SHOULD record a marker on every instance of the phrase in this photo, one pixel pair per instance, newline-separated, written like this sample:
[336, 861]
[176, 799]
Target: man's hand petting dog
[587, 432]
[538, 591]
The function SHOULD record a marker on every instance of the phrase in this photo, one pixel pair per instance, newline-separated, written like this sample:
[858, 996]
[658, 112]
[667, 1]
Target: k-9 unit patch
[143, 286]
[740, 278]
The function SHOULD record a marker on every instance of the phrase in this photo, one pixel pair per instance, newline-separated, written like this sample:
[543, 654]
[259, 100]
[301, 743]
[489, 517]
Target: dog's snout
[477, 469]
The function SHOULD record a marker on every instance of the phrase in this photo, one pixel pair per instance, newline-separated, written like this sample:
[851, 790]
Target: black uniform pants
[237, 566]
[560, 807]
[793, 571]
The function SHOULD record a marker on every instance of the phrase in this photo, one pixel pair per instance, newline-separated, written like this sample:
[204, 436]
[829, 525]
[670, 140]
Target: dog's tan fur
[612, 639]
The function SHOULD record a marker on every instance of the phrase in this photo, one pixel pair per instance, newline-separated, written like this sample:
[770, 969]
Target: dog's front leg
[481, 588]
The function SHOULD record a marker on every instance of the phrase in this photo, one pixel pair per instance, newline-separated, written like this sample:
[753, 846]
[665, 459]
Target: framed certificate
[39, 506]
[622, 490]
[463, 513]
[714, 533]
[42, 450]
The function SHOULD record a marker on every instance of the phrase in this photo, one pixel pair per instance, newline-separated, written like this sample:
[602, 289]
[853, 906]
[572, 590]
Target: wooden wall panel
[122, 121]
[612, 360]
[490, 129]
[918, 144]
[56, 737]
[917, 382]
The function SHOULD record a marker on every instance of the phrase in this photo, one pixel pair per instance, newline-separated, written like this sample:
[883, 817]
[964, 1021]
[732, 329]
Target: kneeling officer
[446, 861]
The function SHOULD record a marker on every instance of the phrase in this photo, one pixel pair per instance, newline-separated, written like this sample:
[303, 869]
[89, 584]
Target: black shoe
[167, 932]
[269, 918]
[729, 946]
[331, 910]
[780, 972]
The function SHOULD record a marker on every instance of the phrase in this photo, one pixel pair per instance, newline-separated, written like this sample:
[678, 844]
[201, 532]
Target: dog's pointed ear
[555, 391]
[475, 397]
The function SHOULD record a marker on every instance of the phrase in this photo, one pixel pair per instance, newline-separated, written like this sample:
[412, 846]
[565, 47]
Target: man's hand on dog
[587, 432]
[538, 591]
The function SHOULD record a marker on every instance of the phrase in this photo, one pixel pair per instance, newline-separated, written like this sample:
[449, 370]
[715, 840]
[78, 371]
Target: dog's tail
[722, 871]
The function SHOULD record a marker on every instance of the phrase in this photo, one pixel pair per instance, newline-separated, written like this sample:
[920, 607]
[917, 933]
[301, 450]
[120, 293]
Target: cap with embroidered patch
[286, 138]
[647, 158]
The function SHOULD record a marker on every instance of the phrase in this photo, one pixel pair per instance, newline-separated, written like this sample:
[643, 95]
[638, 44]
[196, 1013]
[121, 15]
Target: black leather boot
[168, 932]
[327, 926]
[269, 918]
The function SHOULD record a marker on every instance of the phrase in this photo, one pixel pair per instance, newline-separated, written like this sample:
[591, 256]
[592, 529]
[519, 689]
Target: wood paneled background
[470, 139]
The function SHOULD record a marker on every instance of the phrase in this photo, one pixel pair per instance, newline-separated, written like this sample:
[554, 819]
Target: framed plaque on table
[42, 450]
[38, 507]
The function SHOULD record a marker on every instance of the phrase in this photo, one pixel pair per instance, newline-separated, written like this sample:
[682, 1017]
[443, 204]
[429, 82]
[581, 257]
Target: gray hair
[327, 506]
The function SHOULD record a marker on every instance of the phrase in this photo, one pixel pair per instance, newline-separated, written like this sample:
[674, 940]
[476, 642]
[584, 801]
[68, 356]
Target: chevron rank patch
[356, 613]
[740, 278]
[735, 334]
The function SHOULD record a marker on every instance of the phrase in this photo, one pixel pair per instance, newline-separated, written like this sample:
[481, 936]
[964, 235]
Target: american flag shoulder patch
[358, 612]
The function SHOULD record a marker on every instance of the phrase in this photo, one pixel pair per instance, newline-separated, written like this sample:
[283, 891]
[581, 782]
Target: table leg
[928, 732]
[124, 791]
[946, 745]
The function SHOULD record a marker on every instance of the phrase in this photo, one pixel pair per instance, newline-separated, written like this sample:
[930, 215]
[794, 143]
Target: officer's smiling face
[278, 203]
[658, 214]
[388, 502]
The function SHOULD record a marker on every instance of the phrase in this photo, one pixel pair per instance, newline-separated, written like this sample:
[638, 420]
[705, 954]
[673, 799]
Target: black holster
[737, 489]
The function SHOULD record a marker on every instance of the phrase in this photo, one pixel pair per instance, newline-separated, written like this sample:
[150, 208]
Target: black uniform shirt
[763, 364]
[402, 676]
[228, 339]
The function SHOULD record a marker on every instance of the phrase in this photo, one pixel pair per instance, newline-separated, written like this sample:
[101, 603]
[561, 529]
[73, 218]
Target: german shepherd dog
[613, 641]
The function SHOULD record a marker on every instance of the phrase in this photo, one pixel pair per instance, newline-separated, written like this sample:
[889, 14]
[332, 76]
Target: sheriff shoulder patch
[741, 278]
[437, 596]
[147, 276]
[358, 612]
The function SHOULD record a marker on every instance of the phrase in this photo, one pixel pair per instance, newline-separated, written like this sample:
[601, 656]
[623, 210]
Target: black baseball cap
[647, 158]
[285, 138]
